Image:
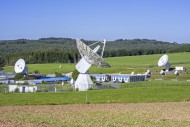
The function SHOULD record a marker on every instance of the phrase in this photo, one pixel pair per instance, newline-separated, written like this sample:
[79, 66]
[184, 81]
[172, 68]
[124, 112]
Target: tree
[75, 74]
[58, 75]
[18, 76]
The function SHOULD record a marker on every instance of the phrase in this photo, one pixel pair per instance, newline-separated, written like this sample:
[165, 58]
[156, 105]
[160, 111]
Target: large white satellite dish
[163, 61]
[20, 66]
[89, 57]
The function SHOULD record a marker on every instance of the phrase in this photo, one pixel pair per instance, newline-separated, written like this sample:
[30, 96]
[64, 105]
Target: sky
[164, 20]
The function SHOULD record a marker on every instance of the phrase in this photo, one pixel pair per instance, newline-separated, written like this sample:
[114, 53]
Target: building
[119, 77]
[22, 88]
[180, 68]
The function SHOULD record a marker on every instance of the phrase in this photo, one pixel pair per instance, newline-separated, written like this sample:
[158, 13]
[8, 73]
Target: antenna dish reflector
[104, 41]
[163, 60]
[20, 66]
[90, 55]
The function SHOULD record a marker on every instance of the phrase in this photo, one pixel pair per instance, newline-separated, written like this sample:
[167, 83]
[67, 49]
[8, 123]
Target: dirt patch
[135, 114]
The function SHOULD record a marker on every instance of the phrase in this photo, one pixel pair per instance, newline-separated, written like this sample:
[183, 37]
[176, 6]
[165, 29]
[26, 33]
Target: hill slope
[63, 50]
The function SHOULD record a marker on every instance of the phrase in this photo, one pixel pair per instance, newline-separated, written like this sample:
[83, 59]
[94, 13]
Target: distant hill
[48, 50]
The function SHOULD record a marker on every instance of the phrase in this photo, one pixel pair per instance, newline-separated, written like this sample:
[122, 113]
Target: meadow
[150, 103]
[163, 102]
[141, 92]
[149, 91]
[124, 65]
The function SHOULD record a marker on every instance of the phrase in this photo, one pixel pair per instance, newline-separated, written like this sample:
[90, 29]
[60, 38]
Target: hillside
[63, 50]
[125, 64]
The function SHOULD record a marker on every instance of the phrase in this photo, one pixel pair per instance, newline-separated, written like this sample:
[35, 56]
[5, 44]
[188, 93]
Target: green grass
[124, 95]
[125, 64]
[152, 91]
[137, 92]
[46, 68]
[155, 84]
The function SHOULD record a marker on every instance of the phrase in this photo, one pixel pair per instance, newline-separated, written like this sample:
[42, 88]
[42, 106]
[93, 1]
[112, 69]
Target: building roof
[56, 79]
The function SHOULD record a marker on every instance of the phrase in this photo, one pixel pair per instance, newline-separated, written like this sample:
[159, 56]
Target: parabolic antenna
[89, 57]
[20, 66]
[163, 61]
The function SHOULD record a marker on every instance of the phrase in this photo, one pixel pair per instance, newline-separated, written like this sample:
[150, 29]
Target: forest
[64, 50]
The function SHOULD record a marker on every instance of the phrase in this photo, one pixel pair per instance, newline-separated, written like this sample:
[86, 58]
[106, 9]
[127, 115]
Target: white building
[180, 68]
[22, 88]
[119, 77]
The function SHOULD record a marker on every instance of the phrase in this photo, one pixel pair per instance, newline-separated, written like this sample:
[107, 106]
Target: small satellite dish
[132, 73]
[147, 73]
[20, 66]
[176, 73]
[163, 61]
[162, 72]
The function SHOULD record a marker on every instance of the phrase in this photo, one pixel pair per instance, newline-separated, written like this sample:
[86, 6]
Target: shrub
[75, 74]
[16, 90]
[18, 76]
[36, 72]
[25, 83]
[58, 75]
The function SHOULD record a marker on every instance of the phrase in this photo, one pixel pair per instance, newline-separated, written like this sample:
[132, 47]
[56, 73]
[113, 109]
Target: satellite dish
[162, 72]
[163, 61]
[176, 73]
[89, 58]
[20, 66]
[147, 73]
[132, 73]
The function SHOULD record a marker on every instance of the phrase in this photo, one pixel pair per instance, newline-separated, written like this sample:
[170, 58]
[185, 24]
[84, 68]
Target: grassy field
[150, 103]
[125, 64]
[128, 93]
[130, 105]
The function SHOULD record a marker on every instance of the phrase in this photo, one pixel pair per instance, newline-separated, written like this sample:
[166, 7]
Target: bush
[39, 91]
[36, 72]
[1, 69]
[58, 75]
[75, 74]
[16, 90]
[25, 83]
[18, 76]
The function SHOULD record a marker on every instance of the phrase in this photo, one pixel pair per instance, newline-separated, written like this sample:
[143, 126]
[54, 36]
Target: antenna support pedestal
[83, 82]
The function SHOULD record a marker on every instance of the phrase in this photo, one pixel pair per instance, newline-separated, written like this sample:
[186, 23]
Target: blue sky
[165, 20]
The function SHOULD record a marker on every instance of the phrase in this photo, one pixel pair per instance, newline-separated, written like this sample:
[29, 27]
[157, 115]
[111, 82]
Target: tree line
[63, 50]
